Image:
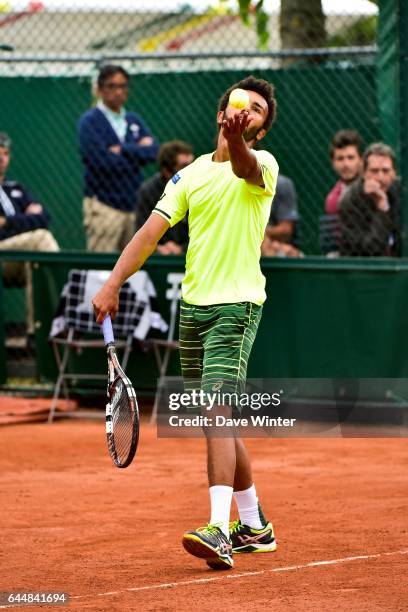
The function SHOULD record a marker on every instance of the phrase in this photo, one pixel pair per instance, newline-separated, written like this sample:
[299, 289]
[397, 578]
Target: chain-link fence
[321, 59]
[180, 63]
[58, 27]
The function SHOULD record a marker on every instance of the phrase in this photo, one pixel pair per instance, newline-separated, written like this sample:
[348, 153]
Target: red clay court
[110, 538]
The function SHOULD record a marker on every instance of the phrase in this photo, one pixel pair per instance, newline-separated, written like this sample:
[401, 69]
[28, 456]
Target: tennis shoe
[246, 539]
[210, 543]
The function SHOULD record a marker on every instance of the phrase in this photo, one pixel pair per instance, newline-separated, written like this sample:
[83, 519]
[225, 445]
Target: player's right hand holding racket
[106, 302]
[122, 413]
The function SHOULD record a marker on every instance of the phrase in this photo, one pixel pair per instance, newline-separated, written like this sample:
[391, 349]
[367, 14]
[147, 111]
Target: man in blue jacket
[114, 145]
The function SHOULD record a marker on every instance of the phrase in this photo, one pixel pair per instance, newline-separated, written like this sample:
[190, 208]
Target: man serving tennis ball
[228, 196]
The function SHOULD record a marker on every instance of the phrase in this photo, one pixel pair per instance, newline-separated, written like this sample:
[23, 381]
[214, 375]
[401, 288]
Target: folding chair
[76, 319]
[164, 347]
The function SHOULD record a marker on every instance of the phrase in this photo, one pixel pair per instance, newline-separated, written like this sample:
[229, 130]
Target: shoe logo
[249, 539]
[225, 548]
[217, 386]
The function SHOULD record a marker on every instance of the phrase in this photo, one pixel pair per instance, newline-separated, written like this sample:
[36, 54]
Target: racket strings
[123, 426]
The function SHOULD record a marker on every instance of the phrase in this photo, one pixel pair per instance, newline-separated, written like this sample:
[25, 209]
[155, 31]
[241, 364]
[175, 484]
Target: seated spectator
[23, 227]
[347, 161]
[370, 208]
[23, 221]
[173, 156]
[115, 144]
[280, 230]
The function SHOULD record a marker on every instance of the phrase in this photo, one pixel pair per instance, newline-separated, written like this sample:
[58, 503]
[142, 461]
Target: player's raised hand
[234, 127]
[106, 302]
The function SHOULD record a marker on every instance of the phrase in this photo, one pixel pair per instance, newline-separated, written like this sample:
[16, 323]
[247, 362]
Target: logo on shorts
[217, 386]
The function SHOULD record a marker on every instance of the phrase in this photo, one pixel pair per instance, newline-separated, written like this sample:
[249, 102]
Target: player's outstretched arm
[243, 161]
[142, 245]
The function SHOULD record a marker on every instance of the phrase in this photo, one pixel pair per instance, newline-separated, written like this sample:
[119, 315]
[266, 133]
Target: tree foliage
[261, 19]
[302, 23]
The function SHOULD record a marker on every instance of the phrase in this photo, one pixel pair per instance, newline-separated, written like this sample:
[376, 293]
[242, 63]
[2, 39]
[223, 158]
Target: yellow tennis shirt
[227, 218]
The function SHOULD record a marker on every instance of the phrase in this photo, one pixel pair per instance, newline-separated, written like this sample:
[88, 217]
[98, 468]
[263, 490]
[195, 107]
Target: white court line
[289, 568]
[167, 585]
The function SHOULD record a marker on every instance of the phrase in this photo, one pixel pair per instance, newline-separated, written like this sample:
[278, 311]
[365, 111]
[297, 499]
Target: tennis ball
[239, 98]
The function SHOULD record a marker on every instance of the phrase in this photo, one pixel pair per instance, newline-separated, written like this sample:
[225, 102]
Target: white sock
[221, 497]
[247, 503]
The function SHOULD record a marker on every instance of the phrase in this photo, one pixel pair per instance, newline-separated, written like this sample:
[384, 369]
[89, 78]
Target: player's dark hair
[346, 138]
[168, 152]
[108, 71]
[379, 148]
[263, 88]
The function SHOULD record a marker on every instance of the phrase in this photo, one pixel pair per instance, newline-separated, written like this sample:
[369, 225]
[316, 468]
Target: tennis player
[228, 196]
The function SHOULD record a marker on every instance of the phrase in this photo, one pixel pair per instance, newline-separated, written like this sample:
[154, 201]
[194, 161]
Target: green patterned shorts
[215, 344]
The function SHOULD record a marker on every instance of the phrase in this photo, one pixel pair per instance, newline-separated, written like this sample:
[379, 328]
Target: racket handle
[107, 330]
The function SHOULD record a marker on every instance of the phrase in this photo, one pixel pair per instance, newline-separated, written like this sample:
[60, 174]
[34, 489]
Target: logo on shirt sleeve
[176, 178]
[135, 129]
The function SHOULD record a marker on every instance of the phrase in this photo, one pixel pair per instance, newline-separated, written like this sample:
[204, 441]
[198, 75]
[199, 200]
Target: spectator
[114, 145]
[280, 231]
[23, 227]
[347, 161]
[173, 156]
[23, 221]
[369, 209]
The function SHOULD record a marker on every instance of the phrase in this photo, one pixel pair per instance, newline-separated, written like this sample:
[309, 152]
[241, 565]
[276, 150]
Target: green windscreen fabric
[388, 72]
[40, 115]
[392, 86]
[322, 319]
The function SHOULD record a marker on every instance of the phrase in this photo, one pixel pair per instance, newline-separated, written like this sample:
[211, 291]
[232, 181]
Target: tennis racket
[122, 412]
